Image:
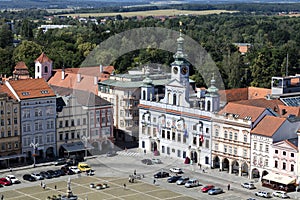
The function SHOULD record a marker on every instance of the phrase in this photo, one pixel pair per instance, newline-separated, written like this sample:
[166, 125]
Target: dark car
[60, 172]
[173, 179]
[45, 175]
[28, 177]
[53, 173]
[161, 175]
[67, 170]
[60, 161]
[147, 162]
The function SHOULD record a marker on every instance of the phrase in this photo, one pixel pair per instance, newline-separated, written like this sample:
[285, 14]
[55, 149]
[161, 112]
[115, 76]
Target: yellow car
[83, 167]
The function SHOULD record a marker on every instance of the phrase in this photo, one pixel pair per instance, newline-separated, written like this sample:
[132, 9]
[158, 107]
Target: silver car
[182, 180]
[248, 185]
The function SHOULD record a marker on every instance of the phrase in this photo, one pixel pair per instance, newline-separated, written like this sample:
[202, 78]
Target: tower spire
[179, 55]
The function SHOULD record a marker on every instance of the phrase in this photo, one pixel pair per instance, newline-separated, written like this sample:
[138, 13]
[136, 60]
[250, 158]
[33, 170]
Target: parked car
[60, 161]
[53, 173]
[182, 180]
[37, 176]
[280, 194]
[111, 153]
[248, 185]
[263, 194]
[75, 169]
[207, 188]
[12, 179]
[215, 190]
[176, 170]
[173, 179]
[192, 183]
[67, 170]
[83, 167]
[28, 177]
[5, 182]
[45, 175]
[156, 161]
[161, 175]
[147, 161]
[60, 172]
[90, 172]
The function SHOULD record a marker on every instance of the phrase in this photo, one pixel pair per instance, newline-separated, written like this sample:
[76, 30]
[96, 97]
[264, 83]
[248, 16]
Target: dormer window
[44, 92]
[25, 93]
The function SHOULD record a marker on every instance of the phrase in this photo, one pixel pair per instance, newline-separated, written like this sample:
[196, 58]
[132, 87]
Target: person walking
[228, 186]
[154, 181]
[55, 187]
[2, 197]
[134, 172]
[124, 186]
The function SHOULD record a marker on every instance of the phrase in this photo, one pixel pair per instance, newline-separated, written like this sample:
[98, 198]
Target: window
[72, 122]
[67, 123]
[16, 133]
[266, 163]
[254, 145]
[230, 135]
[216, 146]
[225, 134]
[292, 167]
[143, 144]
[173, 136]
[207, 144]
[178, 153]
[9, 146]
[284, 153]
[276, 164]
[225, 148]
[84, 121]
[276, 151]
[15, 120]
[163, 134]
[267, 148]
[245, 138]
[235, 150]
[284, 166]
[168, 135]
[235, 136]
[260, 147]
[183, 154]
[292, 155]
[230, 149]
[179, 137]
[168, 150]
[207, 130]
[163, 149]
[195, 141]
[217, 132]
[60, 124]
[16, 145]
[78, 122]
[73, 135]
[245, 153]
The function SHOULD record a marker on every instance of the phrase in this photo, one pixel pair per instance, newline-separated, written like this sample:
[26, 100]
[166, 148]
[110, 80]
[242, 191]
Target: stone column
[230, 167]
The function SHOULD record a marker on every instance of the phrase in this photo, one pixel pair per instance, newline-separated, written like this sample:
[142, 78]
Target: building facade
[38, 116]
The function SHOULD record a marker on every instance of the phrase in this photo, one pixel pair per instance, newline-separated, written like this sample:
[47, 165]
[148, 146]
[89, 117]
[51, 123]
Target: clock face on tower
[184, 70]
[175, 70]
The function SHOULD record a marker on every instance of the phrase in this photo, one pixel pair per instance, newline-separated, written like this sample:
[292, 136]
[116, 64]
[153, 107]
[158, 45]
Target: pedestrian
[124, 186]
[10, 169]
[55, 187]
[154, 181]
[41, 184]
[228, 186]
[2, 197]
[199, 166]
[44, 186]
[134, 172]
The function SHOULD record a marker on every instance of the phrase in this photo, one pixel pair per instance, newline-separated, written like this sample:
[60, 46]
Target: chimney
[78, 78]
[63, 73]
[101, 69]
[95, 80]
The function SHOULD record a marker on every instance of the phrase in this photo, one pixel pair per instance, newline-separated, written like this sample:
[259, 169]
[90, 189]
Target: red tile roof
[258, 93]
[31, 88]
[87, 75]
[243, 111]
[268, 126]
[4, 89]
[236, 94]
[43, 58]
[263, 103]
[285, 111]
[21, 65]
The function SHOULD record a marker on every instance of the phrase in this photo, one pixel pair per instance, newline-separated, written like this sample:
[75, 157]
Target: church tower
[212, 97]
[178, 89]
[43, 67]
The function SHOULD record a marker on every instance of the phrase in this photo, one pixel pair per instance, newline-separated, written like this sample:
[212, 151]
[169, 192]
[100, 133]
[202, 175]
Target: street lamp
[34, 146]
[85, 139]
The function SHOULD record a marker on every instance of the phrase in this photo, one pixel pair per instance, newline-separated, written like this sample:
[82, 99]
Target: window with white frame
[216, 146]
[225, 148]
[235, 150]
[235, 136]
[254, 145]
[245, 137]
[245, 153]
[267, 148]
[225, 134]
[217, 132]
[266, 163]
[230, 135]
[230, 149]
[261, 147]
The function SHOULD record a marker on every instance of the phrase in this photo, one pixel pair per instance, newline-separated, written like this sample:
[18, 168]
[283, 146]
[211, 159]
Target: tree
[27, 52]
[6, 36]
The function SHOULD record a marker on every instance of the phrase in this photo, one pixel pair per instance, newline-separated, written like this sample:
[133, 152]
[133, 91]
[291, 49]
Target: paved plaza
[81, 187]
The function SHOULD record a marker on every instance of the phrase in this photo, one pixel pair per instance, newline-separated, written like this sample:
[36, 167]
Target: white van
[192, 183]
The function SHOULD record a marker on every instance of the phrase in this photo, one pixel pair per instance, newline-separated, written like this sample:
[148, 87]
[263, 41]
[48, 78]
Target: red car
[207, 187]
[5, 182]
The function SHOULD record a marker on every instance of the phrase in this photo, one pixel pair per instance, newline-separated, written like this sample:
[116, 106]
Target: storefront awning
[286, 180]
[75, 146]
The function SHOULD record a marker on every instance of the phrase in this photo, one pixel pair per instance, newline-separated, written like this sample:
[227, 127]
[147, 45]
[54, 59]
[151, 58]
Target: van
[192, 183]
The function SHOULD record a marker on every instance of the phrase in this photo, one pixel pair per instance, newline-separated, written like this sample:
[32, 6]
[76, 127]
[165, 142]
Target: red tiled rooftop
[243, 111]
[268, 126]
[43, 58]
[257, 93]
[21, 65]
[31, 88]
